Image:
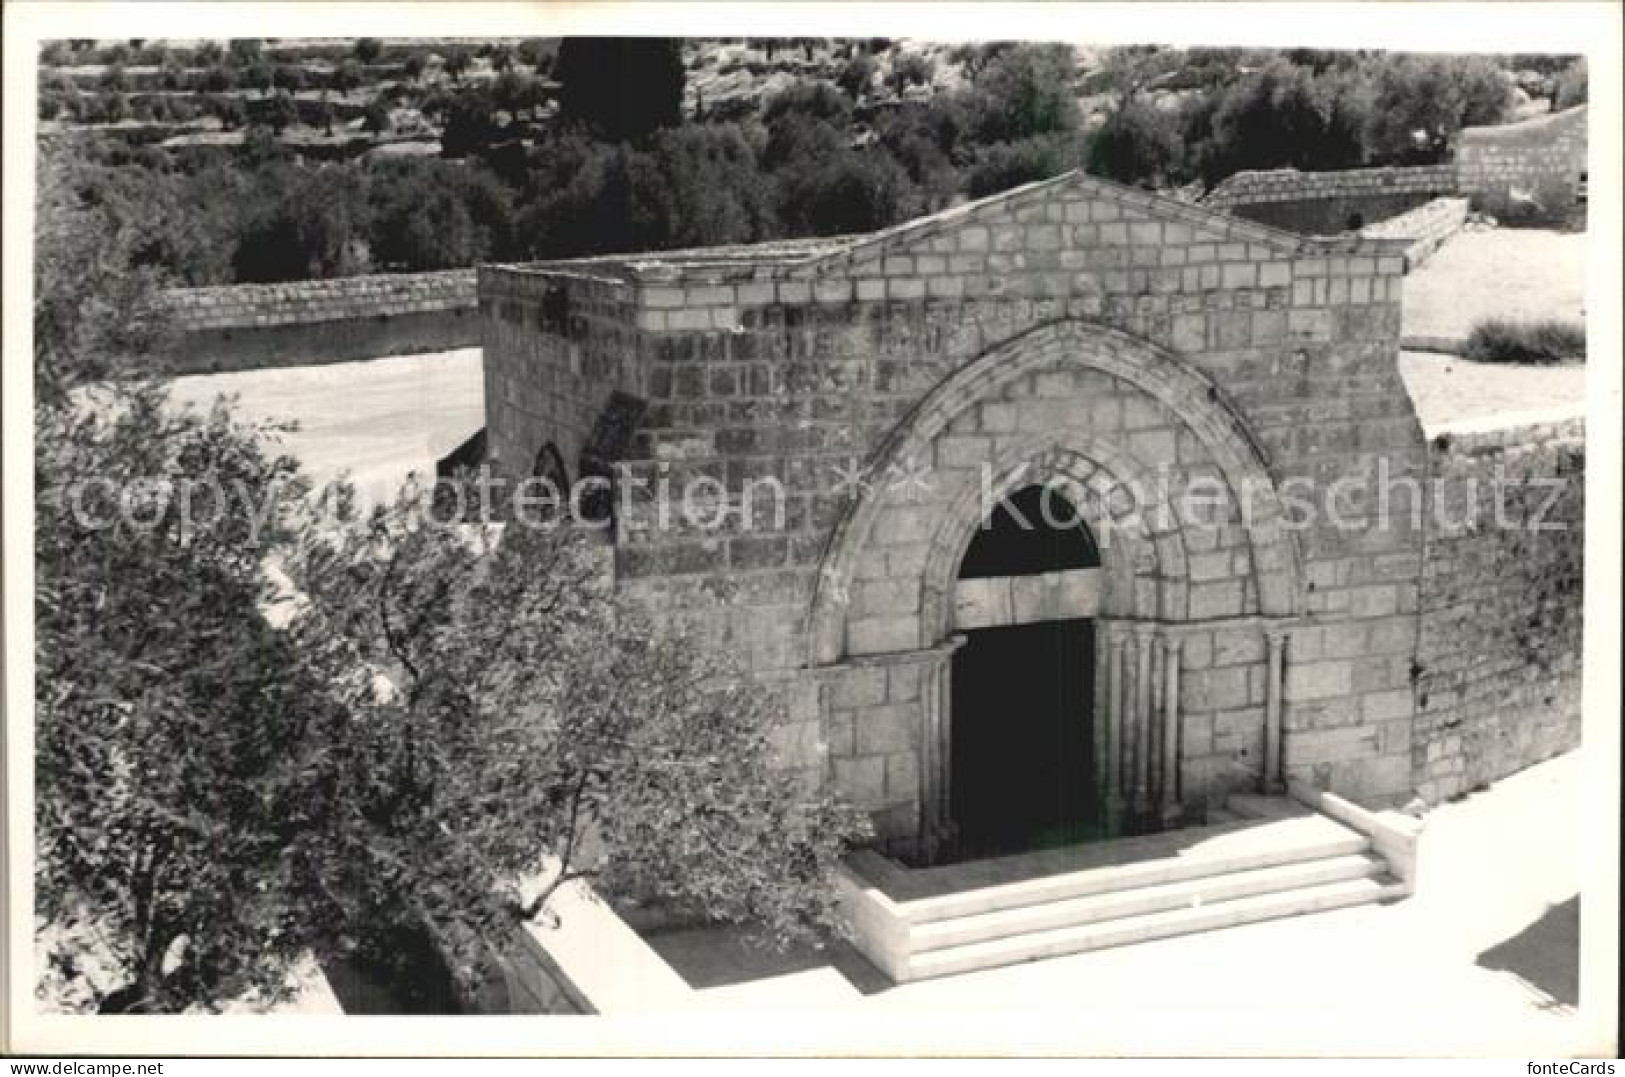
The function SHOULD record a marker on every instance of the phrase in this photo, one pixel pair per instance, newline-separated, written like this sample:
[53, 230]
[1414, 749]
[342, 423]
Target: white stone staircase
[1279, 858]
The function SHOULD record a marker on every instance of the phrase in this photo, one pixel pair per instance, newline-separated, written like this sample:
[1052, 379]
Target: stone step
[1176, 856]
[1193, 893]
[1168, 923]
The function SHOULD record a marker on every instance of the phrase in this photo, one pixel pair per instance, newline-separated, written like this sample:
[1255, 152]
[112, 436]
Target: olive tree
[507, 727]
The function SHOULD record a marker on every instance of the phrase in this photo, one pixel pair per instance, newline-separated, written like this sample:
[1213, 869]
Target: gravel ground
[1450, 392]
[1483, 959]
[1519, 273]
[378, 420]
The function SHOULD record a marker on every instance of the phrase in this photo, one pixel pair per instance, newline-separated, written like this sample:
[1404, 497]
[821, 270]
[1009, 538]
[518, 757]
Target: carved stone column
[1144, 644]
[1116, 755]
[1099, 723]
[1170, 726]
[1272, 782]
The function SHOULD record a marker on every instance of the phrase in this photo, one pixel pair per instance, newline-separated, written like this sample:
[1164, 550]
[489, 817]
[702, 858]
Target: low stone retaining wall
[588, 961]
[1326, 203]
[1498, 667]
[248, 326]
[1427, 227]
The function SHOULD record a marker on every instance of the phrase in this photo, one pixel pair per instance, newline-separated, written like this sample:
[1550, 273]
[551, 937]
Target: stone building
[1531, 171]
[1183, 383]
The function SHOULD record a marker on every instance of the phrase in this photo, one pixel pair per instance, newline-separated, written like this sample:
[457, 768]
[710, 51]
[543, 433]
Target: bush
[1498, 340]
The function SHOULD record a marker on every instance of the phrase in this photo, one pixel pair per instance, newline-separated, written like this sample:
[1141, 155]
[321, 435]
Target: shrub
[1499, 340]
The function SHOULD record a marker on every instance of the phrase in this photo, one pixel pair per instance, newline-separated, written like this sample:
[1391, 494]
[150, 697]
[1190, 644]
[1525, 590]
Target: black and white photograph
[921, 530]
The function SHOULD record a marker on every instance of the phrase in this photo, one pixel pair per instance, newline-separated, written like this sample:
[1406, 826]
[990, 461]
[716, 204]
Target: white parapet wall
[580, 957]
[1427, 227]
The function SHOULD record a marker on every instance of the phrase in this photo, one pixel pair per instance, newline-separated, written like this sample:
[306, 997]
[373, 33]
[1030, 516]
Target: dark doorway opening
[1023, 738]
[1021, 758]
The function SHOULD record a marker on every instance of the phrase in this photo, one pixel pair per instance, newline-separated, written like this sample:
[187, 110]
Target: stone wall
[1499, 651]
[248, 326]
[1134, 336]
[1528, 172]
[1325, 203]
[555, 346]
[1425, 228]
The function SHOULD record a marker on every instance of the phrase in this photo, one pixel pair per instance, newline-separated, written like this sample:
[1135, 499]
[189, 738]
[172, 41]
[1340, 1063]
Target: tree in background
[539, 53]
[623, 88]
[705, 187]
[467, 123]
[243, 50]
[94, 311]
[924, 138]
[1024, 91]
[368, 50]
[857, 75]
[280, 113]
[843, 192]
[1419, 102]
[1281, 116]
[307, 230]
[909, 69]
[375, 117]
[1138, 144]
[456, 62]
[346, 76]
[437, 215]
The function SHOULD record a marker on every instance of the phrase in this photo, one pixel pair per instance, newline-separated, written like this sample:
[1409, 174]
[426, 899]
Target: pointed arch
[1190, 396]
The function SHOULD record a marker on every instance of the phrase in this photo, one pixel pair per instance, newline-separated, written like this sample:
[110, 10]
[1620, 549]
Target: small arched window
[550, 465]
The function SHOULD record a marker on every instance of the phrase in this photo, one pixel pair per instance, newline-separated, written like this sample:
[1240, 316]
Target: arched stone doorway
[1022, 734]
[1192, 592]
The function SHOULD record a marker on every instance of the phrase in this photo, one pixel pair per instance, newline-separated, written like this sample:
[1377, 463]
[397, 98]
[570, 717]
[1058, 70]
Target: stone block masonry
[1326, 203]
[1072, 331]
[1498, 656]
[1425, 228]
[1531, 172]
[249, 326]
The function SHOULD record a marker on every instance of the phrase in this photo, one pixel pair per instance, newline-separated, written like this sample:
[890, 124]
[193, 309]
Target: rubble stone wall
[1499, 648]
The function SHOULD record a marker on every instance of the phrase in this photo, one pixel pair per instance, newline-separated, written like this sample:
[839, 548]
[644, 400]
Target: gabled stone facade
[1125, 347]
